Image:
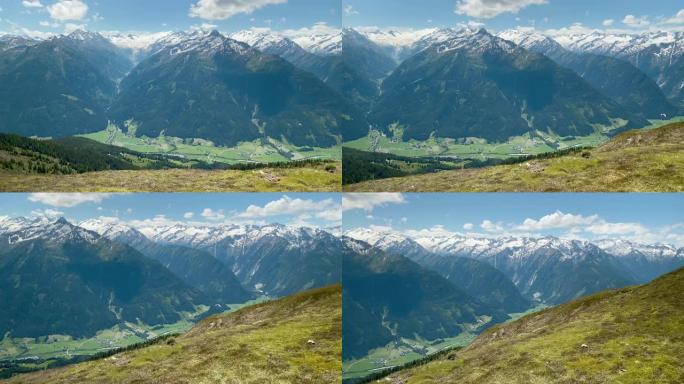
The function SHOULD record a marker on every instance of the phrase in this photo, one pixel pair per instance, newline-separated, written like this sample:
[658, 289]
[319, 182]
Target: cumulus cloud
[49, 213]
[188, 215]
[608, 22]
[327, 209]
[320, 28]
[677, 19]
[635, 22]
[211, 214]
[368, 201]
[490, 226]
[468, 226]
[556, 220]
[68, 200]
[349, 10]
[487, 9]
[223, 9]
[435, 231]
[68, 10]
[32, 4]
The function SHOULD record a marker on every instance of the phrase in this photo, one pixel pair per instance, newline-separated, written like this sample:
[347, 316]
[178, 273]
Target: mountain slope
[478, 85]
[78, 283]
[632, 335]
[389, 297]
[274, 259]
[476, 278]
[196, 268]
[261, 343]
[209, 86]
[53, 89]
[637, 161]
[615, 78]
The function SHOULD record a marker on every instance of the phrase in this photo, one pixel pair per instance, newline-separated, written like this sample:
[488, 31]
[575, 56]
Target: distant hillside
[71, 155]
[263, 343]
[635, 161]
[631, 335]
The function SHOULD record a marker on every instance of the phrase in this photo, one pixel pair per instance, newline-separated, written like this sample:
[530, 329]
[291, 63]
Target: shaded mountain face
[196, 268]
[476, 278]
[58, 87]
[387, 297]
[478, 85]
[367, 58]
[275, 260]
[645, 262]
[209, 86]
[658, 54]
[548, 270]
[60, 279]
[615, 78]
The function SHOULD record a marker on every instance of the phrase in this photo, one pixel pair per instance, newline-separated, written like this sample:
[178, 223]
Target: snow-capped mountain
[547, 269]
[18, 230]
[114, 230]
[532, 40]
[203, 42]
[13, 41]
[321, 44]
[395, 42]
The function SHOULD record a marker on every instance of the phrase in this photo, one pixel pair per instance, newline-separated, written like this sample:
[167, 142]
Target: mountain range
[102, 272]
[546, 270]
[322, 89]
[387, 297]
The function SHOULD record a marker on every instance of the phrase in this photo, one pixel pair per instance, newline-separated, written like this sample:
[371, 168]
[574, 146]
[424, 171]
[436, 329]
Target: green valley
[638, 160]
[295, 339]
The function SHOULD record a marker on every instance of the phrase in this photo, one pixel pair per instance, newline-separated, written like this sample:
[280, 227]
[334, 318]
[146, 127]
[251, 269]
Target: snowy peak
[473, 40]
[18, 230]
[202, 42]
[532, 40]
[623, 248]
[322, 44]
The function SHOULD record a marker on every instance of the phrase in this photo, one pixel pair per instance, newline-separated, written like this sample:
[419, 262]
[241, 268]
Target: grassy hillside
[324, 177]
[632, 335]
[265, 343]
[635, 161]
[78, 164]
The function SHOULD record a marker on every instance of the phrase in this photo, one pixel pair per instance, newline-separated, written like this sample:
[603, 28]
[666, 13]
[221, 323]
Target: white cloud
[605, 228]
[49, 213]
[556, 220]
[49, 24]
[68, 10]
[349, 10]
[210, 214]
[608, 22]
[204, 27]
[319, 28]
[677, 19]
[487, 9]
[368, 201]
[468, 226]
[490, 226]
[32, 4]
[188, 215]
[68, 200]
[327, 209]
[404, 220]
[633, 21]
[155, 222]
[223, 9]
[435, 231]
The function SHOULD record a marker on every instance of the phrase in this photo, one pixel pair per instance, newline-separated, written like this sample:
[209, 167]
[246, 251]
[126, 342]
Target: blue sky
[639, 217]
[164, 15]
[319, 210]
[503, 14]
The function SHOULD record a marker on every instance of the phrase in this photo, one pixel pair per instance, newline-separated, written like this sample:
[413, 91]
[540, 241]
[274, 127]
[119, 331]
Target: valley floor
[311, 179]
[292, 340]
[637, 161]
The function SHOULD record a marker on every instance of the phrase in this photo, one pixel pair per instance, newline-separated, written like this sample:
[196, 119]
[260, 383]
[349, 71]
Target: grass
[264, 343]
[318, 178]
[257, 151]
[627, 336]
[635, 161]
